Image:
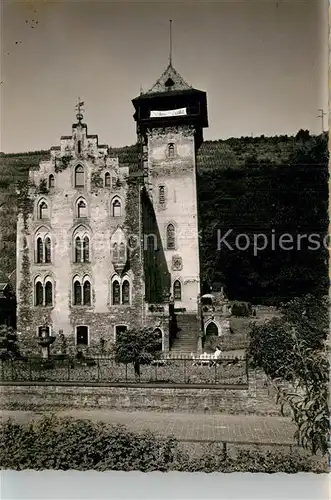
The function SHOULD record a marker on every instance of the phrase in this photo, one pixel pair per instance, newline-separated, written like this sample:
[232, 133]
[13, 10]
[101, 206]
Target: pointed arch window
[86, 249]
[115, 252]
[39, 292]
[81, 209]
[48, 256]
[177, 290]
[48, 294]
[79, 176]
[116, 293]
[171, 150]
[116, 209]
[126, 292]
[107, 179]
[171, 237]
[78, 249]
[87, 293]
[51, 181]
[43, 210]
[122, 252]
[77, 293]
[40, 250]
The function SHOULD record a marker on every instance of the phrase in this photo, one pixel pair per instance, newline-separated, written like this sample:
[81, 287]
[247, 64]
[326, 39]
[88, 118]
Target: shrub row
[66, 443]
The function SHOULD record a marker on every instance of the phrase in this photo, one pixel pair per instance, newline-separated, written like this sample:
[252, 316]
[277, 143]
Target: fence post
[215, 372]
[246, 365]
[126, 373]
[69, 361]
[156, 372]
[184, 371]
[11, 369]
[98, 365]
[30, 371]
[225, 451]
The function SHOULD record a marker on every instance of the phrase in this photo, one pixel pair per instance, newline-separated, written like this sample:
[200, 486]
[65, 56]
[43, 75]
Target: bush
[65, 443]
[241, 309]
[9, 348]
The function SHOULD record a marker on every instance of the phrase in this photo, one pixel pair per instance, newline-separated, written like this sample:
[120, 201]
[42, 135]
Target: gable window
[161, 195]
[116, 209]
[79, 146]
[82, 335]
[171, 237]
[39, 294]
[43, 210]
[177, 290]
[116, 293]
[48, 294]
[79, 176]
[51, 181]
[81, 209]
[126, 292]
[107, 179]
[171, 150]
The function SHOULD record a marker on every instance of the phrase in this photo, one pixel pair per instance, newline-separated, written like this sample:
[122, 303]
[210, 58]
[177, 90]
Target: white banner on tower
[170, 112]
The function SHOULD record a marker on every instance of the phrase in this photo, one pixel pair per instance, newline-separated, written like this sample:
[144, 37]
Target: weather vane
[79, 108]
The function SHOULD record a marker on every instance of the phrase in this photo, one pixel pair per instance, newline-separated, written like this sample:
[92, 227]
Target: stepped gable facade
[103, 246]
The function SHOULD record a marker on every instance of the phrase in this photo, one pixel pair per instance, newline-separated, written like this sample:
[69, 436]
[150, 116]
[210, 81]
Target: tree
[9, 348]
[139, 346]
[293, 353]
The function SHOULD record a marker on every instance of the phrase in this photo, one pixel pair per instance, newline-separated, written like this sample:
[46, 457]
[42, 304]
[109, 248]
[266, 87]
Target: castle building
[103, 246]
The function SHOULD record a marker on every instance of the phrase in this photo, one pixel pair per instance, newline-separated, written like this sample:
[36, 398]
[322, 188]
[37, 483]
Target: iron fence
[106, 370]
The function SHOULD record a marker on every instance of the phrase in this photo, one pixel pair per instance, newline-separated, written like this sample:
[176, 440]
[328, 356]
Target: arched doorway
[158, 333]
[211, 330]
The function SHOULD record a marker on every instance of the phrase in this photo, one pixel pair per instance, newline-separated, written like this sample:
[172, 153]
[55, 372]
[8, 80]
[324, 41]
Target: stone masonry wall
[233, 400]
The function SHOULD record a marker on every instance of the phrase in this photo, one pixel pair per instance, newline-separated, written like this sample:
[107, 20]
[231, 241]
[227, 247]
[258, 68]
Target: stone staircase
[186, 340]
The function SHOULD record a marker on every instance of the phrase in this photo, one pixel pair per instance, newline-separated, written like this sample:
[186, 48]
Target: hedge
[67, 443]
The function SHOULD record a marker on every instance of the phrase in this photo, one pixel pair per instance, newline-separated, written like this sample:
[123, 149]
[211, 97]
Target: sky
[263, 64]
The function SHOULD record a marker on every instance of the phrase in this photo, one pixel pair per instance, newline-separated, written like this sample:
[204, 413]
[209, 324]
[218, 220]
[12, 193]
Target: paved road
[187, 426]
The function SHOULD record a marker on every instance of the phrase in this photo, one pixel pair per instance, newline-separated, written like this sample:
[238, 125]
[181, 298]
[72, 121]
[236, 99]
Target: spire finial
[170, 41]
[79, 108]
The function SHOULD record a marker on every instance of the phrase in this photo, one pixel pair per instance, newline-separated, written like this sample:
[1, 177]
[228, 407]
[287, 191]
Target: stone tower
[170, 118]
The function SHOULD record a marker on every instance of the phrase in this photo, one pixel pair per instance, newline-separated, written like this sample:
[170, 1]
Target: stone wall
[177, 174]
[251, 399]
